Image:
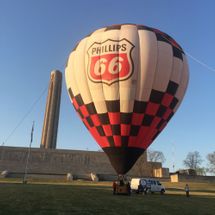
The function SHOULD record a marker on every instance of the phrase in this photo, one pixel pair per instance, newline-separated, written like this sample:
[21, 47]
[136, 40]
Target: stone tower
[51, 118]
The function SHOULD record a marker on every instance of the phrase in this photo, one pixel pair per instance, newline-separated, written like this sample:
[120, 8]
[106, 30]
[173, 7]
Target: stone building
[57, 163]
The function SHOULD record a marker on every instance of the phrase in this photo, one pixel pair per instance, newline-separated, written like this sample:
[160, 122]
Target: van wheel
[162, 192]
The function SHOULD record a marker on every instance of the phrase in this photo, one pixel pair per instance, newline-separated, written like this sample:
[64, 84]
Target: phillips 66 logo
[110, 61]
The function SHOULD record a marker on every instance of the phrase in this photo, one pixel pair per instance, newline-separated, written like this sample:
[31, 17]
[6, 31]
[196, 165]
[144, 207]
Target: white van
[147, 185]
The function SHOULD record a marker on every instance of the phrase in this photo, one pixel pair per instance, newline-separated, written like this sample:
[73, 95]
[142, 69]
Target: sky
[37, 37]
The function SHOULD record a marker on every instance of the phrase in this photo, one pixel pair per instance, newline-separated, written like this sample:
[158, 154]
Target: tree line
[193, 161]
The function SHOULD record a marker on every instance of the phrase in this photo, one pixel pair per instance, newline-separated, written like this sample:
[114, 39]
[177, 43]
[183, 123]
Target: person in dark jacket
[114, 187]
[140, 188]
[129, 188]
[187, 190]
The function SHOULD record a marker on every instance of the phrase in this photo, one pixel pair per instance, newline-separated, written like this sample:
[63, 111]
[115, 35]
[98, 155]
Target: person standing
[129, 188]
[187, 190]
[114, 187]
[140, 188]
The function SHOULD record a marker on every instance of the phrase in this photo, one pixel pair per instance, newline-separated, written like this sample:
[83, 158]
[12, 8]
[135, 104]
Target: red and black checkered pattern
[136, 129]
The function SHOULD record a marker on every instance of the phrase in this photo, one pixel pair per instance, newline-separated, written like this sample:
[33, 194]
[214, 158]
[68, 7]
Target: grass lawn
[82, 198]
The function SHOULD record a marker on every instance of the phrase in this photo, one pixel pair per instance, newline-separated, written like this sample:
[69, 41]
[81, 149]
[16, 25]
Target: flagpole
[28, 156]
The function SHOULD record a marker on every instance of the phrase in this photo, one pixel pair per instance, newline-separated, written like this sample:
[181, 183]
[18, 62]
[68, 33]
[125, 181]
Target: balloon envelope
[126, 82]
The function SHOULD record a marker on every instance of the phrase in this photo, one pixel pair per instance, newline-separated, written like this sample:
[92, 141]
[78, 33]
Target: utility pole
[173, 156]
[28, 156]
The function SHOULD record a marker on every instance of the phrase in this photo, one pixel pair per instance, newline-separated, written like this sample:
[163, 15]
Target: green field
[81, 197]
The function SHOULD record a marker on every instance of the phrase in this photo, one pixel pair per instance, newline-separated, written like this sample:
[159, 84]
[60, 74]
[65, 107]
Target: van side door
[158, 186]
[152, 186]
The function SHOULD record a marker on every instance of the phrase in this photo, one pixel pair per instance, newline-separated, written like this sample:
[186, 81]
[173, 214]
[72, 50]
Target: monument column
[51, 118]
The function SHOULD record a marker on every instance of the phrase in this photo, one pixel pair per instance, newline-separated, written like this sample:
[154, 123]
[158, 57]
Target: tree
[193, 160]
[201, 171]
[155, 156]
[211, 160]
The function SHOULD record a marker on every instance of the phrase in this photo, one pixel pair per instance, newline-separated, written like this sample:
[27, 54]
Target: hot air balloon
[126, 82]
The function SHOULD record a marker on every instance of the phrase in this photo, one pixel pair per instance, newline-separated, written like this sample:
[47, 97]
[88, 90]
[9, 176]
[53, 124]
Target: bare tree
[193, 160]
[155, 156]
[211, 160]
[201, 171]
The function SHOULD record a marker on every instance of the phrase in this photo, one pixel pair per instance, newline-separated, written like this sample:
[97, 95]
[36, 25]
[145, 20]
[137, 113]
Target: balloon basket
[122, 186]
